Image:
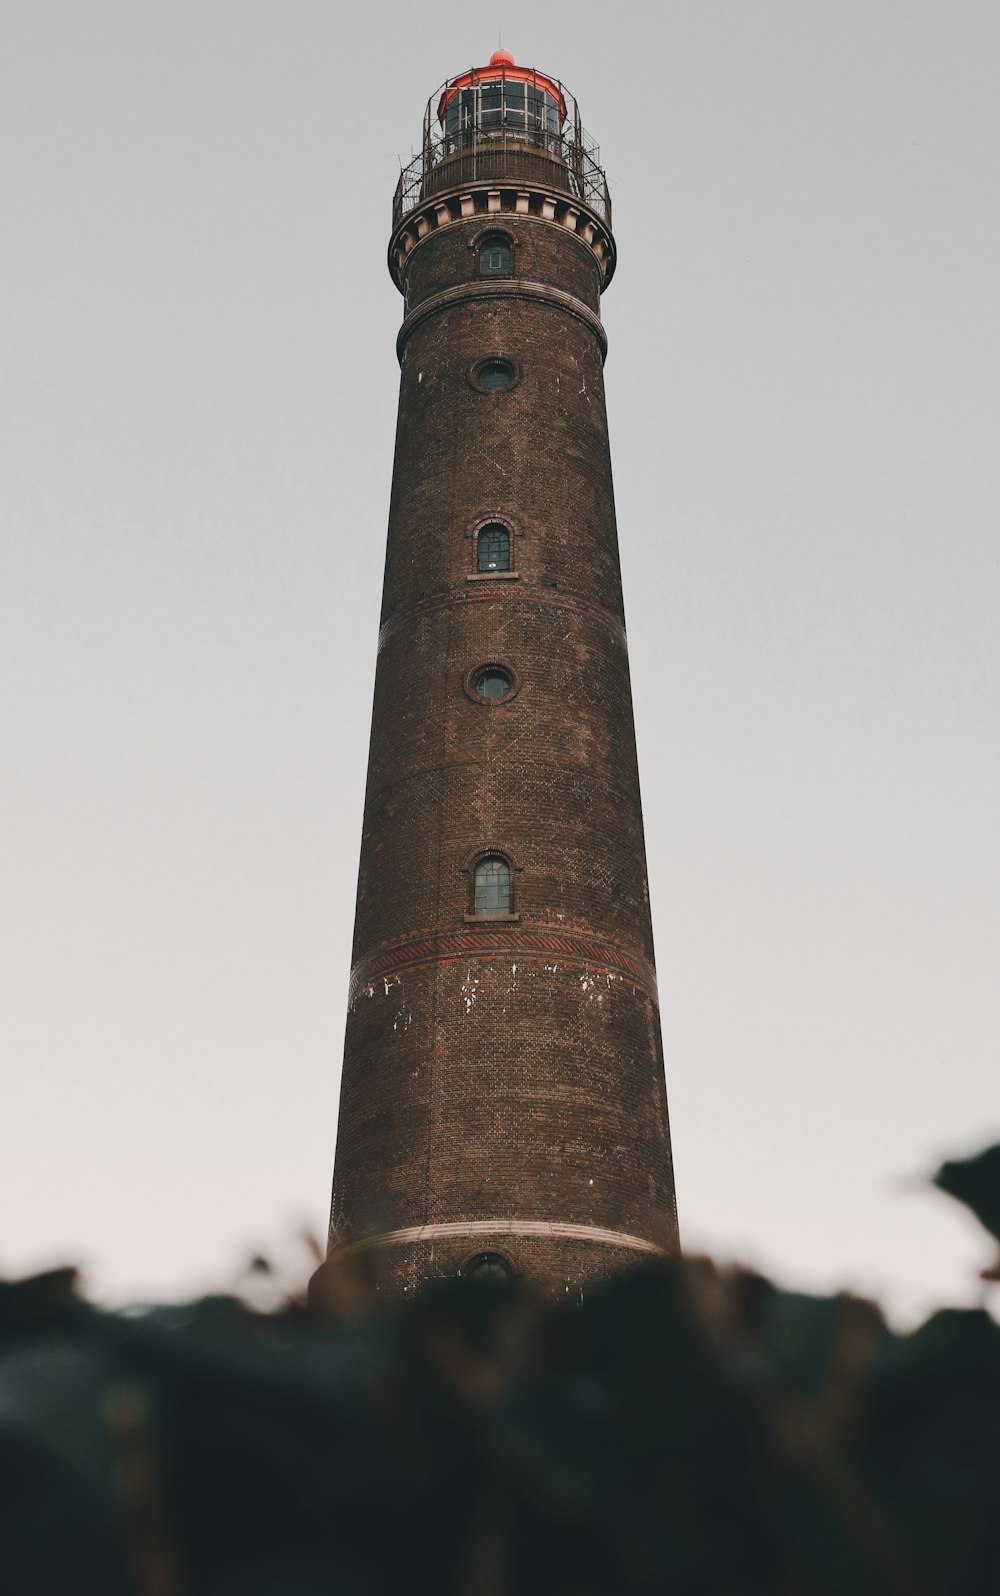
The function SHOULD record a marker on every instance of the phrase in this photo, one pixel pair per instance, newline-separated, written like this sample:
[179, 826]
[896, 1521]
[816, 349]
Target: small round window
[488, 1266]
[494, 374]
[493, 682]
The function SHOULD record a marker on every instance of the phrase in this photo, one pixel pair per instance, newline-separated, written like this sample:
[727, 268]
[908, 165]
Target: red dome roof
[501, 58]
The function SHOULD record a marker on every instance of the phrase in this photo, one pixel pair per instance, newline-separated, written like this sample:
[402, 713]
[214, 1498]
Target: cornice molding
[532, 205]
[508, 288]
[460, 1229]
[519, 592]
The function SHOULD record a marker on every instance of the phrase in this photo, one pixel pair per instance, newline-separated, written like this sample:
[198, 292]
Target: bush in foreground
[684, 1430]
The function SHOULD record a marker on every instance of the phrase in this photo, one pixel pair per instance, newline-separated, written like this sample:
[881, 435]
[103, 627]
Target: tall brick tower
[503, 1108]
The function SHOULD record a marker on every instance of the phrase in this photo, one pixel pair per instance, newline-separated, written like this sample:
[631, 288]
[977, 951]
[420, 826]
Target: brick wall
[503, 1070]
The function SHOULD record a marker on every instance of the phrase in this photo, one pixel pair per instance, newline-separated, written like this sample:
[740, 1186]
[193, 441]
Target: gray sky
[198, 390]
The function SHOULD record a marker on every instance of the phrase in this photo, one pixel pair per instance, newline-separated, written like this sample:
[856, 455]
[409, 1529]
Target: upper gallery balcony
[507, 126]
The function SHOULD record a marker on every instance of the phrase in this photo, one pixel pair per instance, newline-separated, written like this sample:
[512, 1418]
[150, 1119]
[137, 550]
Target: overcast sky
[197, 392]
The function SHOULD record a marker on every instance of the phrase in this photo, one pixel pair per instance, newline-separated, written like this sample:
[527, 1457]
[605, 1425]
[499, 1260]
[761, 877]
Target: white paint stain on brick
[469, 993]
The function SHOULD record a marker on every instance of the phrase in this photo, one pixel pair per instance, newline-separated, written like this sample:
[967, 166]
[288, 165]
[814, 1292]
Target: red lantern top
[501, 66]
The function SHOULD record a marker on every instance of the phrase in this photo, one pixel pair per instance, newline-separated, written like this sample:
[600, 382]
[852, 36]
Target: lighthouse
[503, 1106]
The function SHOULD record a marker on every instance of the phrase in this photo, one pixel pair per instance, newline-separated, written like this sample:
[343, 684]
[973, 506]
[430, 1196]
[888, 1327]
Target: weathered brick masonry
[503, 1086]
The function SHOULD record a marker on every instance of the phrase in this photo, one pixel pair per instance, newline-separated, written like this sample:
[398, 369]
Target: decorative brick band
[511, 593]
[475, 1229]
[521, 944]
[468, 292]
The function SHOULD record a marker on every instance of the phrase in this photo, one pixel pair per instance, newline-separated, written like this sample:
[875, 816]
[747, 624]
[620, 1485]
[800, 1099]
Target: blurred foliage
[976, 1183]
[685, 1429]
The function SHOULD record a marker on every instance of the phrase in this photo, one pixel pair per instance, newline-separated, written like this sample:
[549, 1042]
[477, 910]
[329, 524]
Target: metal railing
[567, 160]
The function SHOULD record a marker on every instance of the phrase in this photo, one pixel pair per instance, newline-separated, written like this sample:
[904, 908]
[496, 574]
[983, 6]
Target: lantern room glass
[505, 104]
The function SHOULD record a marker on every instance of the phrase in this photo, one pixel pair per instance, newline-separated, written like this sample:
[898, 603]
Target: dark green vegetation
[685, 1430]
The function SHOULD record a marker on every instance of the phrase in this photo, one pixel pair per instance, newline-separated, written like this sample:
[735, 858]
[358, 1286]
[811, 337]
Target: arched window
[491, 875]
[493, 548]
[488, 1266]
[491, 889]
[495, 258]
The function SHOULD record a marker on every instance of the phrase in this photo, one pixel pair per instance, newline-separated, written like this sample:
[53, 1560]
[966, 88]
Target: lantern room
[502, 98]
[500, 137]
